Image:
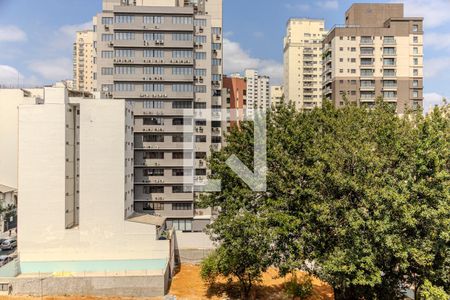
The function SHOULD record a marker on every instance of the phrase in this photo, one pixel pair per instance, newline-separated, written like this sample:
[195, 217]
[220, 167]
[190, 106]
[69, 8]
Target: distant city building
[8, 205]
[303, 63]
[234, 97]
[165, 56]
[258, 91]
[83, 62]
[276, 95]
[378, 52]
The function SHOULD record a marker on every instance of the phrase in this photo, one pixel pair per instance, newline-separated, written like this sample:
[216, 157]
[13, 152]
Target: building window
[181, 138]
[415, 61]
[216, 62]
[182, 225]
[200, 138]
[182, 20]
[182, 71]
[154, 53]
[107, 71]
[154, 70]
[200, 72]
[216, 30]
[181, 189]
[124, 19]
[181, 172]
[155, 121]
[201, 39]
[153, 206]
[182, 36]
[415, 94]
[415, 72]
[124, 36]
[415, 83]
[153, 19]
[216, 139]
[415, 39]
[200, 155]
[181, 121]
[153, 138]
[182, 54]
[156, 87]
[181, 155]
[106, 37]
[127, 70]
[200, 89]
[153, 190]
[182, 88]
[154, 155]
[124, 87]
[149, 104]
[181, 206]
[107, 54]
[200, 55]
[181, 104]
[415, 28]
[200, 22]
[154, 172]
[153, 36]
[415, 51]
[216, 46]
[200, 172]
[124, 53]
[107, 20]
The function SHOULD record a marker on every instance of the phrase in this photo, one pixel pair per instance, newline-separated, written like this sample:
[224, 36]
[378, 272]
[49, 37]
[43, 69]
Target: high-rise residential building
[379, 52]
[276, 95]
[258, 91]
[234, 98]
[83, 61]
[165, 56]
[303, 63]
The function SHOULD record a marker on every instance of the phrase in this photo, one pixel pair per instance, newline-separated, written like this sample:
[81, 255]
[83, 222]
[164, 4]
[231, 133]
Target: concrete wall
[192, 247]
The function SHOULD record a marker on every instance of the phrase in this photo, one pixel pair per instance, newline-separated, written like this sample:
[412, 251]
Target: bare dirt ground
[187, 285]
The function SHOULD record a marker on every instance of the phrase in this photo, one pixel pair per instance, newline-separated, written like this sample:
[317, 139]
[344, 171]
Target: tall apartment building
[165, 56]
[83, 61]
[258, 91]
[303, 62]
[379, 52]
[276, 95]
[234, 98]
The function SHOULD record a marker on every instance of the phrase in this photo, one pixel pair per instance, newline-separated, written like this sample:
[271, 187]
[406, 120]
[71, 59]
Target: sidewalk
[5, 235]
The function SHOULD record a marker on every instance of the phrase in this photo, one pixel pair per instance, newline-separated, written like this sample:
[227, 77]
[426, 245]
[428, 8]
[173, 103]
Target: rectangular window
[182, 54]
[181, 155]
[216, 46]
[389, 40]
[154, 172]
[124, 36]
[415, 39]
[200, 105]
[415, 72]
[107, 21]
[153, 19]
[181, 172]
[182, 71]
[181, 189]
[154, 53]
[366, 40]
[181, 20]
[182, 36]
[126, 70]
[182, 225]
[181, 206]
[216, 30]
[157, 121]
[415, 94]
[123, 19]
[153, 206]
[216, 139]
[216, 77]
[107, 54]
[200, 89]
[415, 28]
[200, 72]
[153, 36]
[415, 61]
[153, 190]
[124, 53]
[181, 138]
[200, 172]
[153, 87]
[201, 39]
[366, 51]
[107, 71]
[200, 138]
[200, 22]
[415, 50]
[181, 121]
[154, 138]
[389, 73]
[106, 37]
[389, 95]
[154, 155]
[182, 88]
[152, 104]
[181, 104]
[200, 155]
[415, 83]
[389, 62]
[154, 70]
[389, 51]
[200, 55]
[124, 87]
[216, 62]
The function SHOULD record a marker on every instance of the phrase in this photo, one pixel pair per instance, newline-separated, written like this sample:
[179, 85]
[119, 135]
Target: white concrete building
[276, 95]
[76, 183]
[258, 91]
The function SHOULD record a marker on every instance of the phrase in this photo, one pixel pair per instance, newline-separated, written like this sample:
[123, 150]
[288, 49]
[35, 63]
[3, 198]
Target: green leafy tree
[359, 198]
[430, 292]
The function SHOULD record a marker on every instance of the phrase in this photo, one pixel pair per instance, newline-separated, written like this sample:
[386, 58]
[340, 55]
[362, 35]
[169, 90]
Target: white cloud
[12, 34]
[300, 6]
[435, 12]
[237, 60]
[329, 4]
[53, 69]
[431, 100]
[9, 76]
[436, 66]
[439, 41]
[65, 36]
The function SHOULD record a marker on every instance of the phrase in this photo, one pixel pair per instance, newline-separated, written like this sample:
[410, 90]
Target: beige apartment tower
[83, 61]
[378, 52]
[165, 57]
[303, 63]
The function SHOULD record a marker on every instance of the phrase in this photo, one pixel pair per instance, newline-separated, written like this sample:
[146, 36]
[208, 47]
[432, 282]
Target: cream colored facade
[258, 91]
[276, 95]
[378, 52]
[83, 61]
[303, 62]
[76, 183]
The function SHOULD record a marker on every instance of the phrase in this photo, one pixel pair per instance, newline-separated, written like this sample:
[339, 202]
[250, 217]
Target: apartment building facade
[165, 56]
[303, 62]
[276, 95]
[83, 61]
[378, 52]
[258, 91]
[234, 99]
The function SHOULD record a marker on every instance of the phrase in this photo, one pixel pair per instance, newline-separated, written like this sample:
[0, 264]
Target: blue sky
[36, 36]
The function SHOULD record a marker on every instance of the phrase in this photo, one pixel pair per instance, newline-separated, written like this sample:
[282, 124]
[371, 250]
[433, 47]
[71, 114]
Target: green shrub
[302, 289]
